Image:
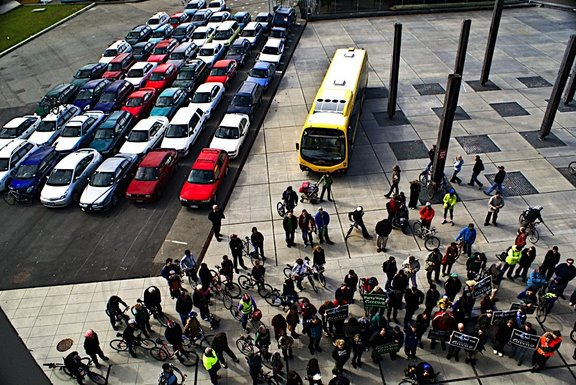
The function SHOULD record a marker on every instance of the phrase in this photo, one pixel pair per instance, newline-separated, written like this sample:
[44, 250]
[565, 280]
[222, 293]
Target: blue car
[110, 135]
[32, 172]
[242, 18]
[114, 96]
[90, 93]
[262, 73]
[169, 101]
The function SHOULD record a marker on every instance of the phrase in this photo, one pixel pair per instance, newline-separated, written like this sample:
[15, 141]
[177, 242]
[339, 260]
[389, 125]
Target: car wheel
[158, 194]
[75, 197]
[115, 200]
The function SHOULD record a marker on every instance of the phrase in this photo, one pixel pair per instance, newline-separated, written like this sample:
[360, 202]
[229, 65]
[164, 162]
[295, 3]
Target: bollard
[569, 96]
[393, 88]
[462, 47]
[491, 44]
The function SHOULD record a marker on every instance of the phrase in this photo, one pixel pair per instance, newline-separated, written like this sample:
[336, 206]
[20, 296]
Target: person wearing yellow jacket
[211, 364]
[513, 257]
[449, 203]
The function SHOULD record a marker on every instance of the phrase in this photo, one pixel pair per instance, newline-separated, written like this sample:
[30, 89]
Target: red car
[222, 72]
[140, 102]
[118, 67]
[154, 172]
[162, 77]
[178, 18]
[162, 50]
[206, 176]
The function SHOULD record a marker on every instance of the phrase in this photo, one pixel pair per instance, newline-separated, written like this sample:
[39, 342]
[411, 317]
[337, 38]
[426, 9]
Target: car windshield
[26, 171]
[278, 34]
[4, 162]
[248, 33]
[177, 56]
[71, 131]
[85, 94]
[214, 4]
[177, 131]
[146, 173]
[159, 33]
[104, 134]
[201, 97]
[47, 126]
[206, 52]
[179, 32]
[137, 51]
[241, 100]
[108, 97]
[8, 133]
[110, 52]
[201, 176]
[157, 76]
[134, 102]
[153, 21]
[236, 50]
[216, 19]
[135, 73]
[102, 179]
[227, 132]
[138, 136]
[174, 20]
[82, 74]
[258, 73]
[262, 19]
[160, 50]
[59, 177]
[199, 35]
[115, 66]
[270, 50]
[165, 101]
[218, 72]
[186, 74]
[134, 35]
[223, 35]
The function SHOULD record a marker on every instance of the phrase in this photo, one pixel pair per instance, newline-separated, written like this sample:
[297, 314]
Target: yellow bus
[330, 129]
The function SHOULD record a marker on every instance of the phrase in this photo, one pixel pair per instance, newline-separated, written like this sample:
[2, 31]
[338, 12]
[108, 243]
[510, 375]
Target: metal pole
[491, 44]
[445, 131]
[394, 69]
[569, 96]
[563, 73]
[462, 47]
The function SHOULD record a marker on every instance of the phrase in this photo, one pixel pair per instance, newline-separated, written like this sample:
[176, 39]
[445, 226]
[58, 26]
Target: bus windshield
[323, 146]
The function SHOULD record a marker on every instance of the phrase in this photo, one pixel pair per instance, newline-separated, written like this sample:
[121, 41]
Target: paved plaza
[499, 125]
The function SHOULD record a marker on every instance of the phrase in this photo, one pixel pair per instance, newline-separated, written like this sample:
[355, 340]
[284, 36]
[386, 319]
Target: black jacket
[499, 177]
[384, 228]
[413, 300]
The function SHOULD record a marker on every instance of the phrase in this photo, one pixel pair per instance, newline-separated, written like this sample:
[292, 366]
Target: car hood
[101, 144]
[80, 82]
[135, 81]
[235, 56]
[104, 107]
[92, 194]
[135, 111]
[112, 75]
[203, 106]
[142, 187]
[157, 84]
[67, 144]
[161, 111]
[54, 192]
[178, 144]
[81, 103]
[228, 145]
[22, 184]
[197, 192]
[43, 137]
[207, 59]
[269, 58]
[134, 148]
[156, 58]
[262, 81]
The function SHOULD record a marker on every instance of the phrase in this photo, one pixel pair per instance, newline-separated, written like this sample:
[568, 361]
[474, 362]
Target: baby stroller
[308, 191]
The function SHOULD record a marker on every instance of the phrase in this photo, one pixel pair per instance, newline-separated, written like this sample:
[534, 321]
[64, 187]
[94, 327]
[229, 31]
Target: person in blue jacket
[536, 279]
[322, 219]
[468, 236]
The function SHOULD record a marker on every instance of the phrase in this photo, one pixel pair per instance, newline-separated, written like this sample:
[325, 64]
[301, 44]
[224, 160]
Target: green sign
[390, 347]
[375, 300]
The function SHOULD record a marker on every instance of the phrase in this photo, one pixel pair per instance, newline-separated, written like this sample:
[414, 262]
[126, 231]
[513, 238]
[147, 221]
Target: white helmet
[538, 208]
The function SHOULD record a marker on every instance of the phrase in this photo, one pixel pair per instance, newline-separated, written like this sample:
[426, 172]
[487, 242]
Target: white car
[272, 51]
[145, 135]
[139, 73]
[115, 49]
[11, 155]
[19, 128]
[158, 19]
[51, 126]
[78, 131]
[211, 53]
[67, 180]
[217, 5]
[217, 18]
[184, 129]
[253, 33]
[230, 133]
[203, 35]
[207, 97]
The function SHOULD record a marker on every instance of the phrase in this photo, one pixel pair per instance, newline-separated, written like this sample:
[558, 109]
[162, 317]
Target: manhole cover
[376, 92]
[64, 345]
[478, 87]
[414, 149]
[477, 144]
[459, 114]
[508, 109]
[429, 89]
[534, 82]
[514, 184]
[21, 277]
[399, 119]
[533, 137]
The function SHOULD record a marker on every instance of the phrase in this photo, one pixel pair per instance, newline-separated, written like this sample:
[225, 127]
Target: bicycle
[254, 321]
[121, 316]
[545, 303]
[94, 377]
[431, 241]
[162, 353]
[247, 282]
[188, 273]
[201, 341]
[221, 284]
[276, 299]
[282, 208]
[154, 312]
[14, 197]
[572, 167]
[267, 378]
[532, 233]
[288, 274]
[246, 253]
[245, 345]
[174, 370]
[120, 344]
[433, 187]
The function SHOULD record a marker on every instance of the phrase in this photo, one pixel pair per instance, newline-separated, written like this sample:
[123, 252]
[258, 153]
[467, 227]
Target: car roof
[170, 91]
[39, 154]
[232, 120]
[211, 45]
[94, 82]
[155, 157]
[273, 42]
[251, 25]
[61, 108]
[261, 14]
[262, 65]
[139, 65]
[203, 28]
[9, 148]
[71, 160]
[226, 25]
[206, 159]
[16, 122]
[146, 124]
[120, 57]
[116, 85]
[207, 86]
[194, 63]
[117, 43]
[240, 42]
[163, 67]
[141, 92]
[184, 114]
[164, 42]
[115, 116]
[58, 88]
[111, 164]
[222, 63]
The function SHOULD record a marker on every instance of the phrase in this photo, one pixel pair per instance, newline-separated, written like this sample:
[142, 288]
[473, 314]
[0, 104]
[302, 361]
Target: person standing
[314, 331]
[290, 223]
[184, 306]
[411, 341]
[411, 267]
[237, 248]
[395, 181]
[548, 345]
[290, 198]
[454, 351]
[340, 354]
[326, 183]
[528, 256]
[422, 324]
[449, 258]
[246, 306]
[432, 298]
[521, 236]
[322, 219]
[351, 280]
[431, 153]
[113, 310]
[188, 265]
[415, 189]
[383, 230]
[495, 203]
[414, 298]
[476, 170]
[254, 367]
[551, 259]
[313, 374]
[449, 203]
[142, 318]
[129, 337]
[471, 354]
[512, 258]
[390, 269]
[257, 240]
[92, 347]
[565, 272]
[502, 337]
[216, 216]
[458, 163]
[427, 215]
[498, 180]
[468, 236]
[211, 364]
[497, 274]
[432, 265]
[452, 286]
[307, 226]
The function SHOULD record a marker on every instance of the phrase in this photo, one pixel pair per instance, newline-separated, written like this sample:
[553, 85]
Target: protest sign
[527, 309]
[375, 300]
[464, 341]
[525, 340]
[439, 335]
[502, 316]
[390, 347]
[482, 287]
[337, 314]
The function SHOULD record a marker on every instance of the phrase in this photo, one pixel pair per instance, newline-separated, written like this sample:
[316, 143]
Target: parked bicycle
[425, 179]
[83, 368]
[15, 197]
[431, 241]
[288, 273]
[247, 282]
[245, 344]
[249, 252]
[164, 351]
[155, 312]
[120, 344]
[221, 284]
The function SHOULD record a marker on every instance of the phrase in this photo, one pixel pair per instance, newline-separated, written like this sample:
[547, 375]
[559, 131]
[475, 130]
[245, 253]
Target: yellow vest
[513, 257]
[449, 200]
[209, 362]
[246, 306]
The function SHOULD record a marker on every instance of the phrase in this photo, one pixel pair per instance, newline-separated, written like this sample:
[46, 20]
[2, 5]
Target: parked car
[69, 177]
[110, 135]
[193, 6]
[272, 51]
[162, 77]
[152, 176]
[218, 18]
[107, 182]
[279, 33]
[254, 32]
[78, 132]
[222, 72]
[62, 93]
[145, 135]
[242, 18]
[191, 75]
[203, 35]
[201, 17]
[183, 32]
[11, 156]
[139, 33]
[178, 18]
[31, 174]
[161, 33]
[182, 54]
[217, 5]
[211, 52]
[206, 176]
[115, 49]
[226, 33]
[90, 93]
[87, 73]
[239, 51]
[207, 97]
[114, 96]
[158, 19]
[139, 73]
[231, 133]
[140, 102]
[162, 50]
[246, 99]
[19, 128]
[169, 101]
[184, 129]
[118, 66]
[52, 124]
[262, 73]
[284, 17]
[265, 19]
[142, 50]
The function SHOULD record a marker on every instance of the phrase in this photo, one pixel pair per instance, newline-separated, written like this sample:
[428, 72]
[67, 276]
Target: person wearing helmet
[424, 373]
[216, 216]
[427, 215]
[449, 203]
[129, 337]
[92, 347]
[497, 183]
[246, 306]
[73, 363]
[153, 300]
[211, 364]
[290, 198]
[167, 377]
[300, 269]
[113, 310]
[356, 217]
[192, 327]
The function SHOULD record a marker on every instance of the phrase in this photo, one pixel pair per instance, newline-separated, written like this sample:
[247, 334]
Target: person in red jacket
[548, 345]
[426, 215]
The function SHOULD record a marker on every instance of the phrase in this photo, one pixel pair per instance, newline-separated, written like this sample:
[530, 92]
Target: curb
[14, 47]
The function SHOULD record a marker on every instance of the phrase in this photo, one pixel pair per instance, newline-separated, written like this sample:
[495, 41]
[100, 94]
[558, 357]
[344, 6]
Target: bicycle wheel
[119, 345]
[534, 236]
[423, 178]
[417, 229]
[521, 218]
[245, 282]
[235, 313]
[159, 353]
[228, 301]
[274, 299]
[162, 319]
[244, 346]
[573, 335]
[147, 344]
[406, 381]
[233, 290]
[281, 209]
[287, 272]
[432, 243]
[206, 341]
[322, 279]
[96, 378]
[265, 290]
[187, 359]
[311, 280]
[572, 168]
[9, 198]
[541, 314]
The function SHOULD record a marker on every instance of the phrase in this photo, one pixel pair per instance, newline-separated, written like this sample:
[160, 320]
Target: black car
[110, 135]
[191, 75]
[63, 93]
[139, 33]
[88, 72]
[142, 50]
[201, 17]
[239, 51]
[183, 32]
